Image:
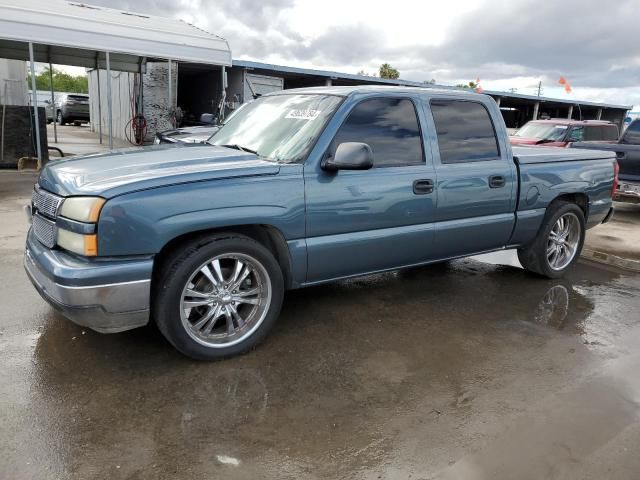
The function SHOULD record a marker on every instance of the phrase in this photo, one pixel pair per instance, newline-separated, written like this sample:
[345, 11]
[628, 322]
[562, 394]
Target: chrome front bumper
[98, 303]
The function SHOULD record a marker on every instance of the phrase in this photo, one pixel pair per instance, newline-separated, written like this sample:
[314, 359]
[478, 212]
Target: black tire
[77, 123]
[176, 272]
[60, 119]
[534, 258]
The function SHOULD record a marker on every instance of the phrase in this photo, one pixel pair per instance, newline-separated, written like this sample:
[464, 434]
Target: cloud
[584, 40]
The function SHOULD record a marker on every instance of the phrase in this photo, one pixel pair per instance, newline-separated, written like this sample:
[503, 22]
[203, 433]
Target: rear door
[476, 179]
[629, 154]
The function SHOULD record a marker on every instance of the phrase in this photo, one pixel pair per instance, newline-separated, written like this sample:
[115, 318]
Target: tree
[387, 71]
[472, 85]
[429, 82]
[365, 74]
[62, 82]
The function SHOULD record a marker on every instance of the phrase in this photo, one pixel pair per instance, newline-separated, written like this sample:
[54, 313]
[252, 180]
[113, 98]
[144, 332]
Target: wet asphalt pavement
[471, 370]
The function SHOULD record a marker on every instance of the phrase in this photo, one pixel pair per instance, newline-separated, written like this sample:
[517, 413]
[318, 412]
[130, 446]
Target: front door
[477, 180]
[364, 221]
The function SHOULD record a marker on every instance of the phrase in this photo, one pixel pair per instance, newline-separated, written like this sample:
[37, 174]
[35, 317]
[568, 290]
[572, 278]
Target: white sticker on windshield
[560, 127]
[303, 114]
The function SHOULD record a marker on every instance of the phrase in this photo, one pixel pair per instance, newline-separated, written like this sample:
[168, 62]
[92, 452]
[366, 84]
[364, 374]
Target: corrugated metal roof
[409, 83]
[74, 30]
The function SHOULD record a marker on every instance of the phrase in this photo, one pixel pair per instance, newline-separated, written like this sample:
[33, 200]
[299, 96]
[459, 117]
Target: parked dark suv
[559, 132]
[70, 107]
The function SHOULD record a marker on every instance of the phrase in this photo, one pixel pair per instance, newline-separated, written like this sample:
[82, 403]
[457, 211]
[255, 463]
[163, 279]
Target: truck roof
[349, 90]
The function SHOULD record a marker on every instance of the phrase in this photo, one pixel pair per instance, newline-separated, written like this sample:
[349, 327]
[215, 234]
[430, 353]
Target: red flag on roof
[562, 81]
[567, 88]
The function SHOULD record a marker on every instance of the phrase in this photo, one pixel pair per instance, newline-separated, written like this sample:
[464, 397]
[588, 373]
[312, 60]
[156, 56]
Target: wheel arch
[267, 235]
[580, 199]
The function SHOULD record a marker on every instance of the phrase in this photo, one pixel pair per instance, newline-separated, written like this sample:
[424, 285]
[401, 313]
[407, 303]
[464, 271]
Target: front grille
[46, 203]
[44, 230]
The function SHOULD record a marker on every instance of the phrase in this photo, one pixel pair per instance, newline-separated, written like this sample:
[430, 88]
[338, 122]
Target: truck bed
[530, 155]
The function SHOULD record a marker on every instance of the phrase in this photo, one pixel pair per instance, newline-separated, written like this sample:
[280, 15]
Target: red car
[561, 132]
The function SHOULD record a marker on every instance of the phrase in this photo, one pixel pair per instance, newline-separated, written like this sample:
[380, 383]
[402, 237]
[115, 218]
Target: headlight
[86, 245]
[82, 209]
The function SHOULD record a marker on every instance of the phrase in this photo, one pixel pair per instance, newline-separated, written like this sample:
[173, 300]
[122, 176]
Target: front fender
[141, 223]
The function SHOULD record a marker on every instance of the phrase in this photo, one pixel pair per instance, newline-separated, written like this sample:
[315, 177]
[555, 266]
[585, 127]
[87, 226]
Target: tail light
[616, 170]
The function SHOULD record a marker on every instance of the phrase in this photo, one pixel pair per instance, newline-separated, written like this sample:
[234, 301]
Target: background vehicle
[198, 134]
[69, 107]
[298, 188]
[560, 132]
[628, 157]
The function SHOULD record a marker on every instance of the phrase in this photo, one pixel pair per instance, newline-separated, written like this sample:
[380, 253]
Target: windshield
[542, 131]
[281, 127]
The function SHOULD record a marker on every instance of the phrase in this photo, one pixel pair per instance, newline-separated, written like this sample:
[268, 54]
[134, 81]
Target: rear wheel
[218, 297]
[559, 241]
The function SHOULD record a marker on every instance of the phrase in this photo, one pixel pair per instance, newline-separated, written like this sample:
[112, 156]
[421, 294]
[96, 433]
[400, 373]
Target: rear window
[465, 131]
[609, 133]
[600, 133]
[78, 98]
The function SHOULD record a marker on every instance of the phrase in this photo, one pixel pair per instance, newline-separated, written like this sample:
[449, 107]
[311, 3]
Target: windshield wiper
[241, 148]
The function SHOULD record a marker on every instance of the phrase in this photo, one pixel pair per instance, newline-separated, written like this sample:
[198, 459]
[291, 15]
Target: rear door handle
[423, 187]
[497, 181]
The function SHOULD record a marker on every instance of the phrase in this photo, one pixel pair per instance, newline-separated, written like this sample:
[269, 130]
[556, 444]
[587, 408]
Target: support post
[170, 75]
[536, 108]
[570, 115]
[99, 103]
[109, 106]
[53, 104]
[223, 95]
[34, 101]
[599, 114]
[498, 101]
[328, 82]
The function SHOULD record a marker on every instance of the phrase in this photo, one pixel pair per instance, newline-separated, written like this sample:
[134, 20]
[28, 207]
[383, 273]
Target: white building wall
[155, 104]
[13, 83]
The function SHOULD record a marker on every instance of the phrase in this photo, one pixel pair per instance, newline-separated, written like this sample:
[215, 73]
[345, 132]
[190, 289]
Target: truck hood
[131, 169]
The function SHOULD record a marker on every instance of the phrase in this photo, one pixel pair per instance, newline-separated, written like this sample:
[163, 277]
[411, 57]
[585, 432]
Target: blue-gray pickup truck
[300, 187]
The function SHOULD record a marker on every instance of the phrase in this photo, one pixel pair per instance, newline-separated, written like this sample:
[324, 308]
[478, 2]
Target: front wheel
[218, 296]
[559, 241]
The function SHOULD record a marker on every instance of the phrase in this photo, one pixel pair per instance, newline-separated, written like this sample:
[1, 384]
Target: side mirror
[350, 156]
[206, 118]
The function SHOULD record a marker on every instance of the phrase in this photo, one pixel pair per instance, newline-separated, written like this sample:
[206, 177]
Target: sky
[508, 44]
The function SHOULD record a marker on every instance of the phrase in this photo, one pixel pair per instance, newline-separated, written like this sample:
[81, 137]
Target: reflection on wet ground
[471, 369]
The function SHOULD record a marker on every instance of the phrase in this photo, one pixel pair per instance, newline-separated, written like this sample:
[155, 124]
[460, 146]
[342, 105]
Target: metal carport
[78, 34]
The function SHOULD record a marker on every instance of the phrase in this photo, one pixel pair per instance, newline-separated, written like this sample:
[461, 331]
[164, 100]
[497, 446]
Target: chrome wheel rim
[225, 300]
[562, 244]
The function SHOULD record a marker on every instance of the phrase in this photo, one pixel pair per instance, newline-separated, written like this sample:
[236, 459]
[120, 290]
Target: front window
[543, 131]
[632, 135]
[282, 128]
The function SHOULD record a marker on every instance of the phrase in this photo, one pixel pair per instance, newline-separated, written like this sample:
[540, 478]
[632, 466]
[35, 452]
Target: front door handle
[423, 187]
[497, 181]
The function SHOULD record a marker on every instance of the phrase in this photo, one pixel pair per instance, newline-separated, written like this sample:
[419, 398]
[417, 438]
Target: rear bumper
[628, 191]
[609, 215]
[108, 297]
